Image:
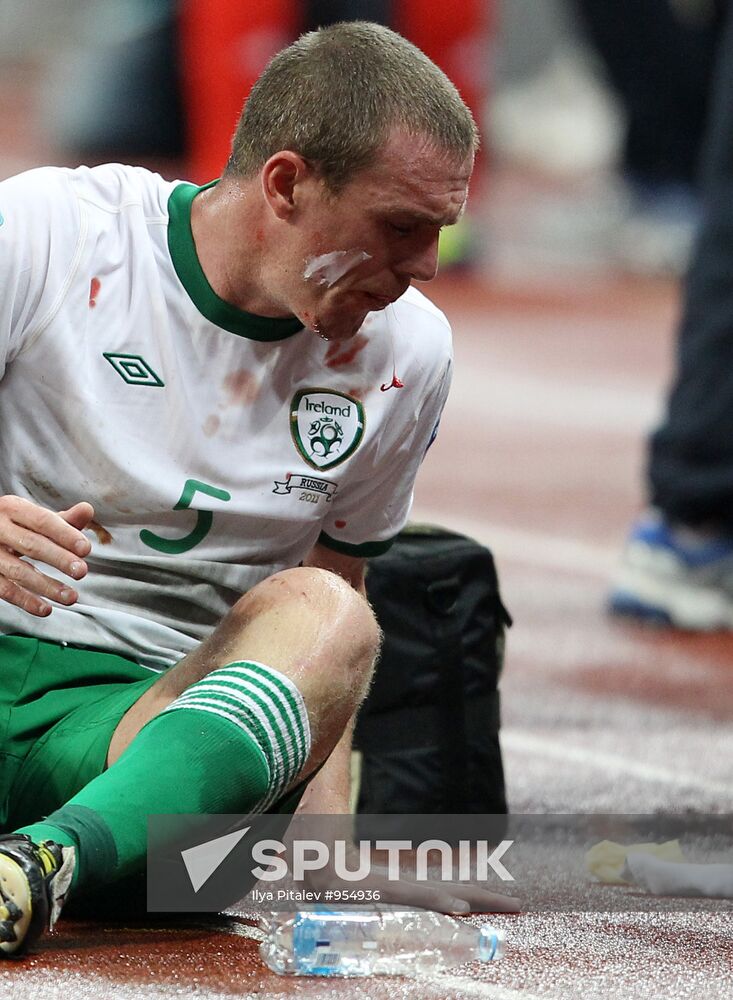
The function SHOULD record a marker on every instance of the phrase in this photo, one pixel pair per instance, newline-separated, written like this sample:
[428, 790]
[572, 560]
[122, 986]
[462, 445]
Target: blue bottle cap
[490, 943]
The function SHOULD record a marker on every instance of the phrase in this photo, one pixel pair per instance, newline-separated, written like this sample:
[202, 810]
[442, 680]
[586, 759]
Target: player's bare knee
[346, 615]
[320, 595]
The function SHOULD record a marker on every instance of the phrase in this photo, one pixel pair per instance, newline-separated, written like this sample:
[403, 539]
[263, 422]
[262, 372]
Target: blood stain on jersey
[339, 524]
[112, 499]
[94, 287]
[339, 355]
[396, 383]
[241, 388]
[102, 534]
[41, 484]
[211, 425]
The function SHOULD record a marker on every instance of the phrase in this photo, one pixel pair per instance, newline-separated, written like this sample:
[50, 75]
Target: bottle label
[331, 945]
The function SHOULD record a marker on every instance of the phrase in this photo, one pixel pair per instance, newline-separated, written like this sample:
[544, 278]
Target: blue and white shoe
[675, 576]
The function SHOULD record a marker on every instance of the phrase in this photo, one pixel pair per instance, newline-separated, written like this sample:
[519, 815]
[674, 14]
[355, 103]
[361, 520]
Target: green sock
[232, 742]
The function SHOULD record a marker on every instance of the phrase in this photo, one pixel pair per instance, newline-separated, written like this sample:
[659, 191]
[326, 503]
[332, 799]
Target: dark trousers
[660, 65]
[691, 454]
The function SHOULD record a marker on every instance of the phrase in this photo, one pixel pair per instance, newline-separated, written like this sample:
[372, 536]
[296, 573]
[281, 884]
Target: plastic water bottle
[387, 942]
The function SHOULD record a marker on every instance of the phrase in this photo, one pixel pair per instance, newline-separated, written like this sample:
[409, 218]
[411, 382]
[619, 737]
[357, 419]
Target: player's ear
[281, 177]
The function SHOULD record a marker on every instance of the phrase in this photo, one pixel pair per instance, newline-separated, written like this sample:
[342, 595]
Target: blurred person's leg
[659, 62]
[691, 464]
[659, 57]
[113, 90]
[678, 564]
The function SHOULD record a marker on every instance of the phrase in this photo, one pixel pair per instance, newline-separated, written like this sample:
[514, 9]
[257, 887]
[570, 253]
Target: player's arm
[329, 790]
[39, 241]
[351, 568]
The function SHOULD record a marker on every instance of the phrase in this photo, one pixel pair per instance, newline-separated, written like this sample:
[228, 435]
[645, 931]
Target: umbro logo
[134, 369]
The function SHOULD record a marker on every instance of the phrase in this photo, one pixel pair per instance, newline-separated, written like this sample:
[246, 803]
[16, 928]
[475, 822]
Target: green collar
[185, 261]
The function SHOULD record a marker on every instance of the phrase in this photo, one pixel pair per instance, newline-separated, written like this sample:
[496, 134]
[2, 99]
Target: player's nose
[422, 263]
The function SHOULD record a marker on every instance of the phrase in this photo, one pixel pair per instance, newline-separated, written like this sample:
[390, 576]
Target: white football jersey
[216, 446]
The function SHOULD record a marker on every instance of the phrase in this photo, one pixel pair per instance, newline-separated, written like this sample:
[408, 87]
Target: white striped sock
[265, 704]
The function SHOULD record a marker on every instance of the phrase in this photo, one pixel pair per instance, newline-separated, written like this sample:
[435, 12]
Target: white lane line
[530, 547]
[611, 406]
[475, 988]
[540, 746]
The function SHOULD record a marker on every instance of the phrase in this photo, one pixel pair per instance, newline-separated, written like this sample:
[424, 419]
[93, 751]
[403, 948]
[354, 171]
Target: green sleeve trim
[365, 550]
[188, 268]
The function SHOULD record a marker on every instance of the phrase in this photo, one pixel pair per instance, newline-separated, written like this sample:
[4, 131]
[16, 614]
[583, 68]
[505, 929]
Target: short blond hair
[334, 94]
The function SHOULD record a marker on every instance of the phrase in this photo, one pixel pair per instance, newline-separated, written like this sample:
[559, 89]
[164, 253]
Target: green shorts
[59, 707]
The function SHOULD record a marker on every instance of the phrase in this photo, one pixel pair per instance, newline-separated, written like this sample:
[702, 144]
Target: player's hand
[444, 897]
[29, 530]
[407, 891]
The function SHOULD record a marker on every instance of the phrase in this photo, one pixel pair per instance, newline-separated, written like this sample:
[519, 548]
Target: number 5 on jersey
[204, 520]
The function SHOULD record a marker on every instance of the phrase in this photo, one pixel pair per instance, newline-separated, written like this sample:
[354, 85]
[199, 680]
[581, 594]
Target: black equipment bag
[428, 731]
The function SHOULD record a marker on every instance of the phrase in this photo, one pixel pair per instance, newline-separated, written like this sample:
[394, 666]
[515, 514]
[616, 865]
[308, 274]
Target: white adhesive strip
[328, 268]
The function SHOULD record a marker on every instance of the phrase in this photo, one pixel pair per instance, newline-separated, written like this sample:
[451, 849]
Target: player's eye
[400, 230]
